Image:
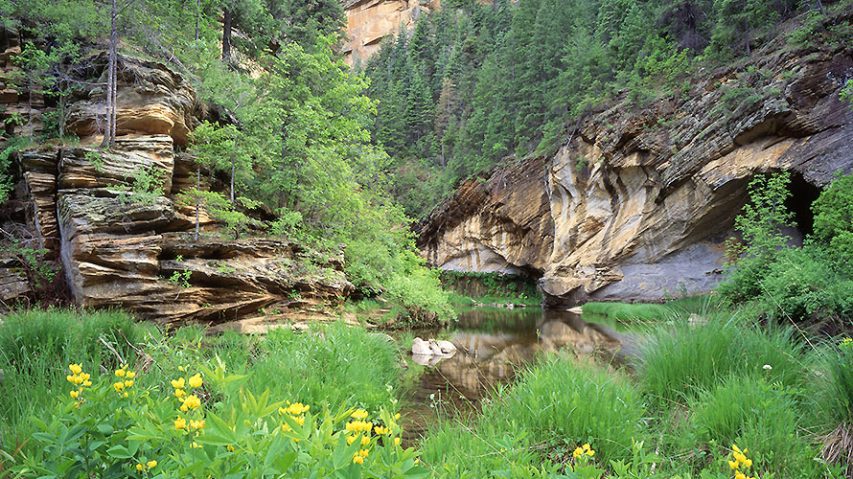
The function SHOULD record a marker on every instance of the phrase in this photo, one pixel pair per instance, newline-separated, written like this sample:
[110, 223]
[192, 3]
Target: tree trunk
[197, 15]
[197, 201]
[30, 106]
[226, 36]
[233, 174]
[109, 131]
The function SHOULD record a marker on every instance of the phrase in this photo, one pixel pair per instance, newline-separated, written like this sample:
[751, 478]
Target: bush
[681, 361]
[748, 411]
[833, 220]
[801, 284]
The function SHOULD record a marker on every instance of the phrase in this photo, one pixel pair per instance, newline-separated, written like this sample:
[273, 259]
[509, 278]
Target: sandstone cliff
[636, 203]
[118, 248]
[370, 21]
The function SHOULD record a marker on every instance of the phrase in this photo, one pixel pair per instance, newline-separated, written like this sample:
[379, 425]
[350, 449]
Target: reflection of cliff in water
[492, 344]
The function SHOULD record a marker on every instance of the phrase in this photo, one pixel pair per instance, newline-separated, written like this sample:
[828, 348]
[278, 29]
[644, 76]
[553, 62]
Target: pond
[492, 345]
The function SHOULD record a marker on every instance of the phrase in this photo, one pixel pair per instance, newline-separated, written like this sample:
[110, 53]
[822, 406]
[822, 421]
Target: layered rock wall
[636, 204]
[370, 21]
[126, 248]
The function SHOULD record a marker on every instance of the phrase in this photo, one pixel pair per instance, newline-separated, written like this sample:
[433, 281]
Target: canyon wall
[637, 202]
[118, 246]
[370, 21]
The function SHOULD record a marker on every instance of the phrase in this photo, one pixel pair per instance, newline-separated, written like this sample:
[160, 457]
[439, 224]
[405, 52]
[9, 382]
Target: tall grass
[335, 364]
[36, 347]
[682, 360]
[649, 313]
[557, 404]
[755, 414]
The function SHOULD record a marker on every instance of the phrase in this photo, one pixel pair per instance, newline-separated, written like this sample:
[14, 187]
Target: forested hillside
[476, 83]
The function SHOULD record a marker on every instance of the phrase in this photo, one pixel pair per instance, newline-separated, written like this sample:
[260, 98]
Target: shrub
[833, 220]
[801, 284]
[681, 361]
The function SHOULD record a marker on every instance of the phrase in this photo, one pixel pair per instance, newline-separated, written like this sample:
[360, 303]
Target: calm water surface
[493, 343]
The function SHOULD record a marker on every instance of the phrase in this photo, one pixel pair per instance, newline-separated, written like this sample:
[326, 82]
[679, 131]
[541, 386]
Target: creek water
[492, 345]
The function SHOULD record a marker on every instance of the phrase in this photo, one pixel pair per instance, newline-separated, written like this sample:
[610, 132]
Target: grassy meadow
[695, 392]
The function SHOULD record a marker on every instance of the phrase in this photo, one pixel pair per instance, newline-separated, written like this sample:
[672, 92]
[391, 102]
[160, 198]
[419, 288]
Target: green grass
[648, 313]
[36, 347]
[556, 406]
[333, 364]
[680, 360]
[755, 414]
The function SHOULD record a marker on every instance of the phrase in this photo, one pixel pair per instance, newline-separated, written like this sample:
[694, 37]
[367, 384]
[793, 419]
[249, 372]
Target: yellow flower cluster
[189, 402]
[125, 381]
[847, 343]
[358, 457]
[297, 412]
[740, 464]
[147, 466]
[584, 450]
[79, 379]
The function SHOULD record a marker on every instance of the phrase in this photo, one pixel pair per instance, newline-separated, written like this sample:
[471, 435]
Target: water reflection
[491, 346]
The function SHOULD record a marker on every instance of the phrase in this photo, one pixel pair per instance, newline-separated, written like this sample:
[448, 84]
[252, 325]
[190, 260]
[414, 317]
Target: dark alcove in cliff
[800, 202]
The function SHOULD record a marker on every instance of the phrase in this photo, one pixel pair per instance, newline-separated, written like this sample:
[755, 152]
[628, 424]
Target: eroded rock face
[370, 21]
[637, 205]
[124, 249]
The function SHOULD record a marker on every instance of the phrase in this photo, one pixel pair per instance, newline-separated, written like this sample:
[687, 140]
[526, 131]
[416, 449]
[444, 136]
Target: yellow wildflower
[180, 393]
[120, 373]
[87, 383]
[151, 464]
[229, 448]
[734, 465]
[180, 423]
[119, 386]
[363, 453]
[381, 430]
[351, 439]
[191, 402]
[300, 420]
[75, 368]
[195, 425]
[140, 467]
[356, 459]
[365, 440]
[295, 409]
[359, 414]
[74, 394]
[397, 416]
[285, 427]
[128, 383]
[195, 381]
[578, 452]
[397, 441]
[130, 375]
[178, 383]
[740, 475]
[195, 445]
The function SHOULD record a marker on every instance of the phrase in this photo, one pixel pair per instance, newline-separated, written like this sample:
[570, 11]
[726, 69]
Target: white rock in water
[421, 347]
[446, 347]
[434, 347]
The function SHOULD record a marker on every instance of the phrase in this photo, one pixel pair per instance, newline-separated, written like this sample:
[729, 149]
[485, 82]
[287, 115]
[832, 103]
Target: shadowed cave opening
[803, 194]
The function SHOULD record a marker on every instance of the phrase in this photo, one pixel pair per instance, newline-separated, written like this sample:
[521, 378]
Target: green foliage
[36, 345]
[642, 313]
[682, 360]
[749, 411]
[557, 403]
[511, 78]
[833, 219]
[847, 92]
[760, 225]
[9, 148]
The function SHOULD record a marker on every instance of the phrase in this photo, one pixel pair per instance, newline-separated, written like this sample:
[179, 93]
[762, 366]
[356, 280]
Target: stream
[492, 345]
